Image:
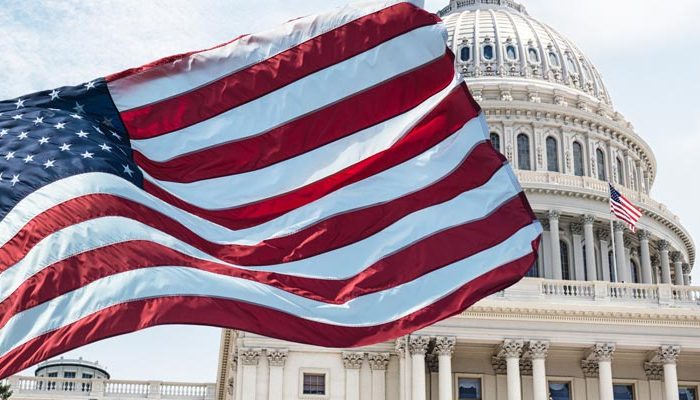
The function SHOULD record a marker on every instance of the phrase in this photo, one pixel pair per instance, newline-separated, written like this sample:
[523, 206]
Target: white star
[76, 116]
[18, 116]
[65, 147]
[97, 128]
[20, 103]
[49, 164]
[54, 94]
[38, 120]
[22, 135]
[43, 140]
[106, 148]
[90, 85]
[28, 158]
[10, 155]
[108, 122]
[78, 108]
[116, 135]
[128, 170]
[60, 125]
[86, 154]
[15, 180]
[0, 176]
[3, 132]
[82, 134]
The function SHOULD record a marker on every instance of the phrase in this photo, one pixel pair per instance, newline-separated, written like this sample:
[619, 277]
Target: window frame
[582, 157]
[695, 386]
[498, 135]
[515, 50]
[493, 52]
[555, 65]
[569, 260]
[555, 379]
[536, 51]
[314, 371]
[529, 151]
[604, 172]
[627, 383]
[552, 139]
[471, 53]
[455, 383]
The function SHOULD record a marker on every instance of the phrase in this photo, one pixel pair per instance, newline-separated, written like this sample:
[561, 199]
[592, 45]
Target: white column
[602, 353]
[686, 274]
[378, 363]
[603, 237]
[553, 216]
[589, 241]
[668, 356]
[444, 346]
[511, 350]
[665, 265]
[248, 359]
[577, 245]
[352, 362]
[401, 353]
[620, 260]
[276, 359]
[646, 256]
[677, 258]
[538, 351]
[418, 346]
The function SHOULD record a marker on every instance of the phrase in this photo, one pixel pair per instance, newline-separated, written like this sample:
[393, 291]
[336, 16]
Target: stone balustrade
[44, 388]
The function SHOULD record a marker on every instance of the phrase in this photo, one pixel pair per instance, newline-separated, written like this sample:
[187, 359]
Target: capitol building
[588, 323]
[585, 325]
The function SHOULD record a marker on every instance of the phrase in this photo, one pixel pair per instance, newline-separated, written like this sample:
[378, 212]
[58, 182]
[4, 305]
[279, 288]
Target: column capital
[618, 226]
[553, 215]
[676, 256]
[511, 348]
[444, 345]
[643, 234]
[589, 368]
[655, 260]
[668, 354]
[276, 357]
[627, 242]
[353, 360]
[587, 219]
[499, 365]
[654, 370]
[604, 234]
[538, 348]
[418, 344]
[378, 361]
[663, 245]
[602, 351]
[686, 268]
[249, 356]
[545, 224]
[401, 346]
[576, 229]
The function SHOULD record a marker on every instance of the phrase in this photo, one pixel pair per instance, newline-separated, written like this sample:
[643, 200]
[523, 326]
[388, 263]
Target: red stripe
[630, 207]
[427, 255]
[326, 235]
[241, 87]
[337, 121]
[448, 117]
[623, 213]
[137, 315]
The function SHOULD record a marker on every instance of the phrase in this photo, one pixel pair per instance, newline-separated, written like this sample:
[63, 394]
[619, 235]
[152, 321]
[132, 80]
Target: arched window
[553, 59]
[620, 172]
[572, 64]
[465, 54]
[488, 52]
[611, 266]
[600, 159]
[496, 141]
[511, 53]
[634, 272]
[552, 155]
[586, 74]
[578, 159]
[635, 178]
[565, 273]
[524, 152]
[534, 55]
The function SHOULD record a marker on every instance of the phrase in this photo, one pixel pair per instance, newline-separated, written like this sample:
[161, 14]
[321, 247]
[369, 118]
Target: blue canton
[54, 134]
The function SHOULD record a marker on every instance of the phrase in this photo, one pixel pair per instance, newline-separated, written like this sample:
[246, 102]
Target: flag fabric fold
[624, 209]
[329, 181]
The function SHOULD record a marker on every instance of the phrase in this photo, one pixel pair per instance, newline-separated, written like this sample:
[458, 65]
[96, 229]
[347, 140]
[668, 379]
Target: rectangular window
[69, 374]
[87, 376]
[52, 375]
[687, 393]
[314, 384]
[623, 392]
[469, 388]
[560, 390]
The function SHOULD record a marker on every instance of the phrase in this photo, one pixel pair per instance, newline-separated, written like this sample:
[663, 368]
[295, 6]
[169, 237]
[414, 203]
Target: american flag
[624, 209]
[329, 181]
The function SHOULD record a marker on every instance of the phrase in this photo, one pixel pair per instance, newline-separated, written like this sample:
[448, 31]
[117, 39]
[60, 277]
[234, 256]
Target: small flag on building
[624, 209]
[329, 181]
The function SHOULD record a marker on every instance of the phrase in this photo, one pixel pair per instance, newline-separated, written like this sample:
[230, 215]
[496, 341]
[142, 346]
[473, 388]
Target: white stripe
[412, 175]
[629, 206]
[203, 67]
[396, 302]
[233, 191]
[337, 264]
[622, 212]
[306, 95]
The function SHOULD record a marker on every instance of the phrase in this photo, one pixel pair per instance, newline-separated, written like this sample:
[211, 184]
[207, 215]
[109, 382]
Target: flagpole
[612, 236]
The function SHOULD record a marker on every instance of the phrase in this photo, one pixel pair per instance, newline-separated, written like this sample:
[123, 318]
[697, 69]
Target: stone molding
[654, 370]
[276, 357]
[353, 360]
[589, 368]
[249, 356]
[444, 345]
[663, 245]
[587, 219]
[602, 352]
[553, 215]
[668, 354]
[526, 366]
[538, 349]
[401, 346]
[378, 361]
[418, 344]
[499, 365]
[511, 348]
[643, 234]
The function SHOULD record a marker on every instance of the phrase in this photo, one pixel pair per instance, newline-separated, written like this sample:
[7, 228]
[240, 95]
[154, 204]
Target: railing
[24, 386]
[568, 289]
[456, 5]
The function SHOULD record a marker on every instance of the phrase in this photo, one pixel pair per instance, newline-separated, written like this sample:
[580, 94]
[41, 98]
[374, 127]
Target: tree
[5, 391]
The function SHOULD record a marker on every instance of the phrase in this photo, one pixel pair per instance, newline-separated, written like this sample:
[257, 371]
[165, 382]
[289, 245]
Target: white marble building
[578, 328]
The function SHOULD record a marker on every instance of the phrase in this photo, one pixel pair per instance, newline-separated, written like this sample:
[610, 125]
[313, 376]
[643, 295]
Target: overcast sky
[647, 52]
